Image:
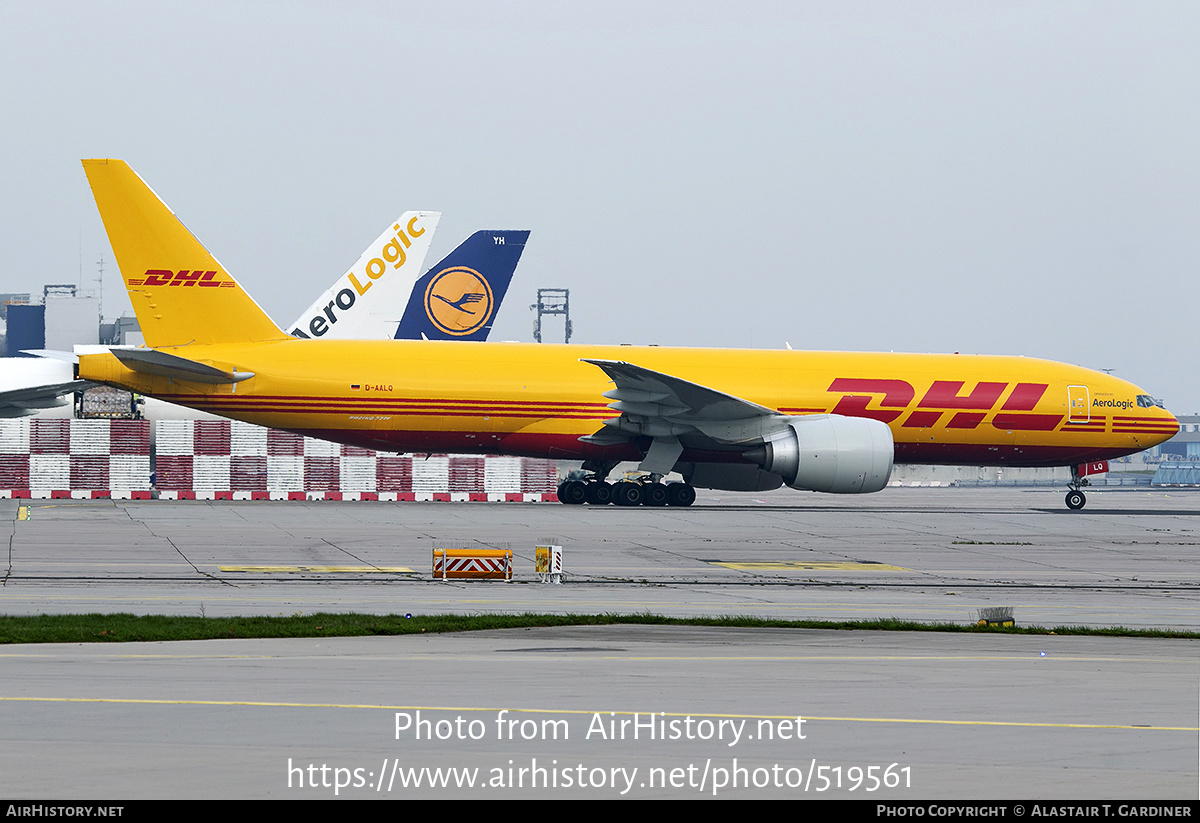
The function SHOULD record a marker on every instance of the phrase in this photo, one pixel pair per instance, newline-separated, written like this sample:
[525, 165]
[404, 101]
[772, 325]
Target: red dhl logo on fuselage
[166, 277]
[944, 397]
[945, 405]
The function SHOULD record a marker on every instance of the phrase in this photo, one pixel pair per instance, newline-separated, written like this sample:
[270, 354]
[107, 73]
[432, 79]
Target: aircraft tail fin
[458, 298]
[365, 302]
[179, 291]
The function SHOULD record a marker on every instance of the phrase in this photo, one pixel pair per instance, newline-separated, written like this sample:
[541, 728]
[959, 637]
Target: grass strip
[122, 628]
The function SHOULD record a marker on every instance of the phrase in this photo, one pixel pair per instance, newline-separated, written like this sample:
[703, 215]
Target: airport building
[1186, 444]
[62, 317]
[1179, 458]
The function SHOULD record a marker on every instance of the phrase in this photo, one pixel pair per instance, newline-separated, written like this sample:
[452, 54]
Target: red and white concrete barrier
[74, 458]
[237, 461]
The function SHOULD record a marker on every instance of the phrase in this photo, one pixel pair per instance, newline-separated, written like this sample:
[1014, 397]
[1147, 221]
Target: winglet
[179, 291]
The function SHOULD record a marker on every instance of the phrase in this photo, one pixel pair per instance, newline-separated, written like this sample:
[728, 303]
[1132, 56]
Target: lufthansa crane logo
[459, 300]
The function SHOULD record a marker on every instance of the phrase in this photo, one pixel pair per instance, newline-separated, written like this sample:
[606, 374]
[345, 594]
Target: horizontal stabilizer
[53, 354]
[149, 361]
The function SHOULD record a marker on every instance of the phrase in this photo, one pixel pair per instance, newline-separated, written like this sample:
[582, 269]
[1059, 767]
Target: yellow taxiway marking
[320, 569]
[496, 710]
[818, 565]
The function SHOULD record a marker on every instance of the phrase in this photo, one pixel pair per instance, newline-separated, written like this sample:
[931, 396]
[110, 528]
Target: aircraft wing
[22, 402]
[819, 452]
[661, 405]
[28, 384]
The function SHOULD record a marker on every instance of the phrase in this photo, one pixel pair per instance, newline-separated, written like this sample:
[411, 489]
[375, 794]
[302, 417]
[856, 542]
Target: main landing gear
[1075, 497]
[588, 485]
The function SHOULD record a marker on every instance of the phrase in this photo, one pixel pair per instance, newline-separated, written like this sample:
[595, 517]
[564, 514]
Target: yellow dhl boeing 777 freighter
[725, 419]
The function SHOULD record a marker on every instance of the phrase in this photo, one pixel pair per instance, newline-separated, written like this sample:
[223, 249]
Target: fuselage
[538, 400]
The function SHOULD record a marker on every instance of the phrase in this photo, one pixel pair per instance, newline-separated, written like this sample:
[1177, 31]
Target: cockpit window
[1148, 402]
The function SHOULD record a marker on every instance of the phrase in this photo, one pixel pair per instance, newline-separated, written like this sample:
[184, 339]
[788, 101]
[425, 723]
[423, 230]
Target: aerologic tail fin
[457, 299]
[179, 291]
[365, 303]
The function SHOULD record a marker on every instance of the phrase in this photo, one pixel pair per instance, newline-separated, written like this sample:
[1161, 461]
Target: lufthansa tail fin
[365, 302]
[179, 291]
[457, 299]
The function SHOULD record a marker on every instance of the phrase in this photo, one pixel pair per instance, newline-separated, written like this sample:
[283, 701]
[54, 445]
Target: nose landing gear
[1075, 497]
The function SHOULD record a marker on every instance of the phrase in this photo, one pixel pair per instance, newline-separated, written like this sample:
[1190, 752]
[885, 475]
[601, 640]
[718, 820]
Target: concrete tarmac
[896, 715]
[1128, 559]
[627, 711]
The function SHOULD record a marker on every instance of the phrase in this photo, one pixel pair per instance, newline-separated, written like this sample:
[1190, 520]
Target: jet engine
[731, 477]
[829, 453]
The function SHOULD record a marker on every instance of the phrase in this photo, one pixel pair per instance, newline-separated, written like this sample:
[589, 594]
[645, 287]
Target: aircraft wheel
[572, 492]
[654, 494]
[599, 494]
[1075, 500]
[627, 494]
[680, 494]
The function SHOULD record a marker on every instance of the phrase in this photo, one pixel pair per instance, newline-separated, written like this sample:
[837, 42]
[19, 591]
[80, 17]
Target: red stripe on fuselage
[1026, 422]
[1025, 397]
[922, 420]
[966, 420]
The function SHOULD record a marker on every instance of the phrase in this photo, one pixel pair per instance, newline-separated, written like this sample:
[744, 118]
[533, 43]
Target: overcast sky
[999, 177]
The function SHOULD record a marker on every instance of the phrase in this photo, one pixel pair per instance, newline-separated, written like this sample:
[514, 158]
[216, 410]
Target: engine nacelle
[732, 477]
[830, 453]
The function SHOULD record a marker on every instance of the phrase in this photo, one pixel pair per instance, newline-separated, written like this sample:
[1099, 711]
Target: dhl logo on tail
[150, 243]
[165, 277]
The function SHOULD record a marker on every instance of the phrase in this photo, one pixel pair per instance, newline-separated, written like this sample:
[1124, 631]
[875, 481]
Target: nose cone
[1138, 415]
[1151, 426]
[1170, 426]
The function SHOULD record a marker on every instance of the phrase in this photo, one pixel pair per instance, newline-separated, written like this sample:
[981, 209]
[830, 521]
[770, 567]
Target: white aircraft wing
[28, 384]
